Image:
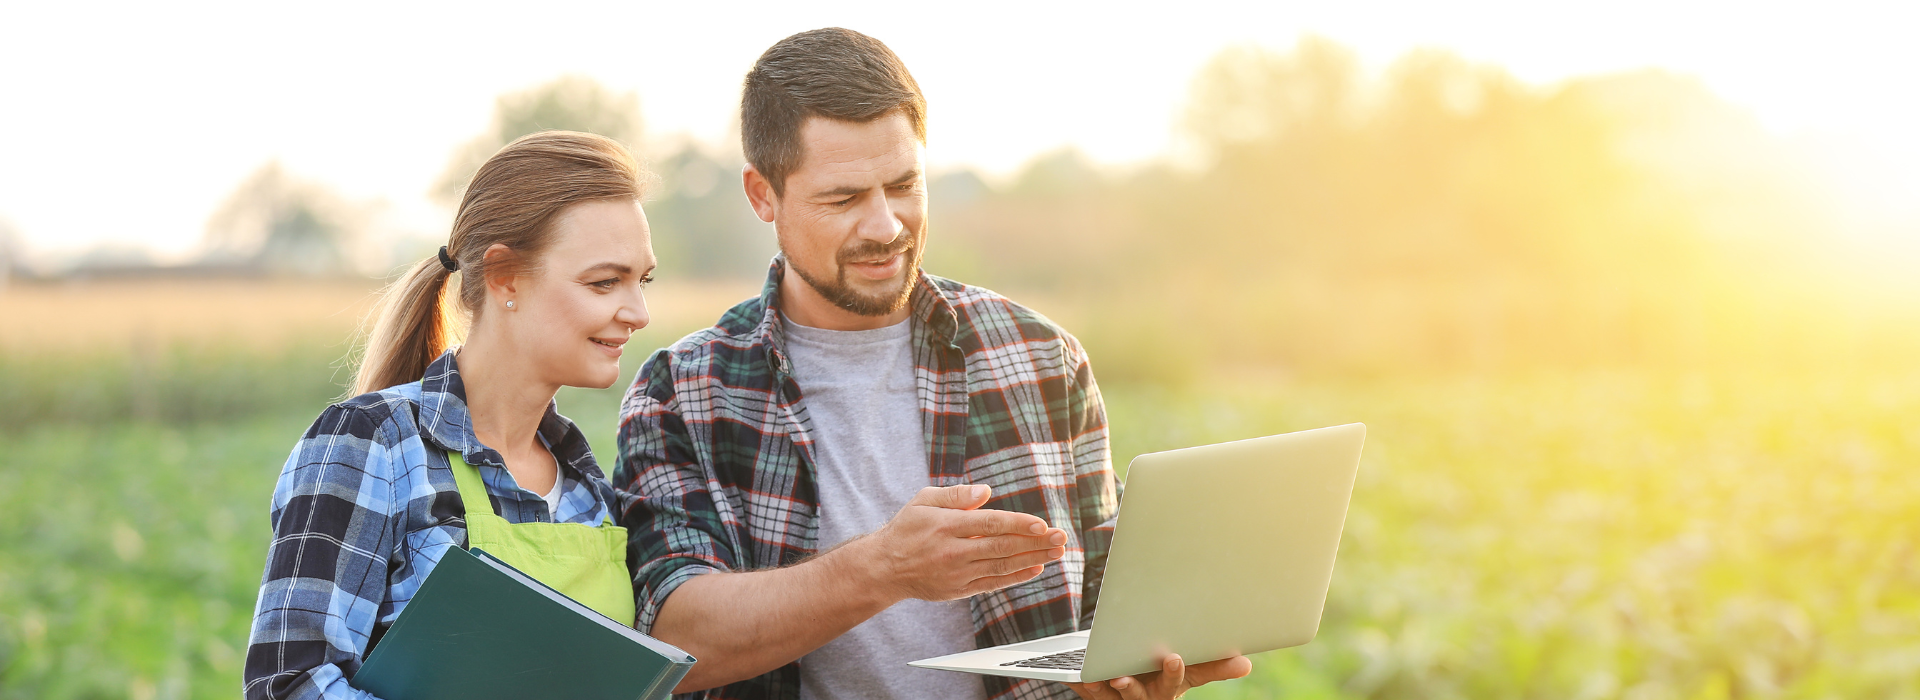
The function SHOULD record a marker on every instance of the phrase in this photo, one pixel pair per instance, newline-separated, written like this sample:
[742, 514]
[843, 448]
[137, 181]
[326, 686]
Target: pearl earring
[509, 303]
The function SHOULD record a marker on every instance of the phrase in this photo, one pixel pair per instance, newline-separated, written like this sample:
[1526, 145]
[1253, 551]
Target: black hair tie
[448, 262]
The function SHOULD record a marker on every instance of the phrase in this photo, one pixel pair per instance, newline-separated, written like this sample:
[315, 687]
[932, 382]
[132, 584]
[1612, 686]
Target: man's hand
[940, 547]
[1172, 680]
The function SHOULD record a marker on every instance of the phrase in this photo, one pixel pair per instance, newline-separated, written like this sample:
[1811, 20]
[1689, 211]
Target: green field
[1602, 535]
[1568, 534]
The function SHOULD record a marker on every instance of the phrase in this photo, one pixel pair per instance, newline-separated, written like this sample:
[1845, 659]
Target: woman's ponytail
[411, 327]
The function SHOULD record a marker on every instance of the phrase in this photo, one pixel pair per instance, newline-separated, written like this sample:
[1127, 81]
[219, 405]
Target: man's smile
[880, 268]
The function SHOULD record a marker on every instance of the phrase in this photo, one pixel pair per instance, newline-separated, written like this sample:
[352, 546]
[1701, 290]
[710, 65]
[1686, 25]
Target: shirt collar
[444, 420]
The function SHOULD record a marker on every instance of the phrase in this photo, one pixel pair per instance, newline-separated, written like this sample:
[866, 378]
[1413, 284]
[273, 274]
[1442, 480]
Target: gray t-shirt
[870, 446]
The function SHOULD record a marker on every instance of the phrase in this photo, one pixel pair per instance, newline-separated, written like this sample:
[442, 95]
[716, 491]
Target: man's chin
[871, 305]
[871, 297]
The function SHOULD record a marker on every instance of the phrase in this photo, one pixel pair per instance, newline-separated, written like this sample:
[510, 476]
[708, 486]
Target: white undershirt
[863, 412]
[553, 497]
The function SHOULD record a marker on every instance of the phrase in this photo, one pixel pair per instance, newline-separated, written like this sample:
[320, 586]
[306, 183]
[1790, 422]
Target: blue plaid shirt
[365, 507]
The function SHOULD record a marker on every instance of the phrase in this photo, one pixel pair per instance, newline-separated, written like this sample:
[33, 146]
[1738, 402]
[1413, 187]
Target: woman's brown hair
[512, 201]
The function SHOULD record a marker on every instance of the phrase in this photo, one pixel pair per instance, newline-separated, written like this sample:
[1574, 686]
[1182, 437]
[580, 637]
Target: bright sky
[131, 123]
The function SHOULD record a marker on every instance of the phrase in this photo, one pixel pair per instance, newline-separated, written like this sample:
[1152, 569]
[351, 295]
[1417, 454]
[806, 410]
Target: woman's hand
[1173, 679]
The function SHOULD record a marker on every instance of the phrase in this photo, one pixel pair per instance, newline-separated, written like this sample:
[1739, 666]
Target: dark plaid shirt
[716, 453]
[365, 507]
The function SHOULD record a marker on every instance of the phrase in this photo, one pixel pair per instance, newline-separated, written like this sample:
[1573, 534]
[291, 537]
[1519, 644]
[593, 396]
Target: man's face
[852, 223]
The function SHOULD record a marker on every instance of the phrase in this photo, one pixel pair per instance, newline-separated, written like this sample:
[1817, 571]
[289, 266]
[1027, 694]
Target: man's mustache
[869, 250]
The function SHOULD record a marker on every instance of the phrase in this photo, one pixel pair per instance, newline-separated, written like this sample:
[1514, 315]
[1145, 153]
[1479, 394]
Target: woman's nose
[633, 313]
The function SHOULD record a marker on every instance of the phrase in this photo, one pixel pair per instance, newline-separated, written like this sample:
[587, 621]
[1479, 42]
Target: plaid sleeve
[1097, 497]
[326, 570]
[674, 530]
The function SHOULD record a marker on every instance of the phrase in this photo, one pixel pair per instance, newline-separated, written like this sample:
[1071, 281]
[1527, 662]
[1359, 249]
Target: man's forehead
[840, 151]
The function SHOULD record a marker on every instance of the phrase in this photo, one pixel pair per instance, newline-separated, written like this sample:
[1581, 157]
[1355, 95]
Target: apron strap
[473, 489]
[467, 478]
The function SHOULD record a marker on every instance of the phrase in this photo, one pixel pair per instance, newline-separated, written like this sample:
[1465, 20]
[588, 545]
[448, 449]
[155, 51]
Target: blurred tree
[701, 222]
[282, 225]
[1253, 96]
[956, 188]
[10, 251]
[1059, 173]
[1440, 213]
[569, 103]
[952, 195]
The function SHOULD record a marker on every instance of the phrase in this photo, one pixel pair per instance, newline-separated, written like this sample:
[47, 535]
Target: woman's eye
[607, 283]
[644, 281]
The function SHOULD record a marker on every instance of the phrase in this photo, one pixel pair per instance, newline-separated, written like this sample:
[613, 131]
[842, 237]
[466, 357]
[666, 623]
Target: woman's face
[572, 316]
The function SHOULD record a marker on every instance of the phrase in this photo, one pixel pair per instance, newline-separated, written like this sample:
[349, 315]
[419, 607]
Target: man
[866, 465]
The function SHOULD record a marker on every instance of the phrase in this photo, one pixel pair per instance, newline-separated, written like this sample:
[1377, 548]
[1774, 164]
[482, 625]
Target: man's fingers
[1129, 687]
[1224, 669]
[962, 497]
[1173, 673]
[1006, 565]
[994, 583]
[1003, 546]
[987, 523]
[1093, 691]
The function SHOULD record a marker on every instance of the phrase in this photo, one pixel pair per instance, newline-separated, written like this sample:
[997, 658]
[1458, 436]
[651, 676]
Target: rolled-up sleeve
[674, 528]
[326, 569]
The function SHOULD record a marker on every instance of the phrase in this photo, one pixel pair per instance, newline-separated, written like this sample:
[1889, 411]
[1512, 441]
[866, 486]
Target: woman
[461, 446]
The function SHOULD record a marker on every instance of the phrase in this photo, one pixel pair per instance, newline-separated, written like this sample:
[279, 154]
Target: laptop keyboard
[1063, 661]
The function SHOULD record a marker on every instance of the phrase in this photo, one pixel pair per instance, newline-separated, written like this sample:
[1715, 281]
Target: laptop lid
[1223, 549]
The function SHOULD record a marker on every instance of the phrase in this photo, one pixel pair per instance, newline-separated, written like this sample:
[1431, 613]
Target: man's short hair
[834, 73]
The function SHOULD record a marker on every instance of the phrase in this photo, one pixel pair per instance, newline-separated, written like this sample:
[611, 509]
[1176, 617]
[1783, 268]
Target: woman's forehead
[603, 231]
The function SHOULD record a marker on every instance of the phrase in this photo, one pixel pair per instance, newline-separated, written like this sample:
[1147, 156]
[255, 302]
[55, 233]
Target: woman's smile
[609, 346]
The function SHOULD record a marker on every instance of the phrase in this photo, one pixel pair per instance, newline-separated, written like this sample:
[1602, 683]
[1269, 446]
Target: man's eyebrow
[609, 266]
[851, 190]
[910, 176]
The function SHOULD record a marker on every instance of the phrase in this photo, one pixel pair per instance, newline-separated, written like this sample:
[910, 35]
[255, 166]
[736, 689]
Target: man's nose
[878, 222]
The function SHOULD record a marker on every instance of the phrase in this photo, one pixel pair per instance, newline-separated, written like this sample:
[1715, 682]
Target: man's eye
[842, 202]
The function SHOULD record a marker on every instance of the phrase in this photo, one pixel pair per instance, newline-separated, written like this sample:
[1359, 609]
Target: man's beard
[837, 292]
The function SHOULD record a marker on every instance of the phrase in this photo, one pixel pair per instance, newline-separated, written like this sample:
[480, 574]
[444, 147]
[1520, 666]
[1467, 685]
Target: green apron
[586, 563]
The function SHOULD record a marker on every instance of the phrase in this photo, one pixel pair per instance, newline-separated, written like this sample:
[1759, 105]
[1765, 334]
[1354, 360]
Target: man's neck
[803, 305]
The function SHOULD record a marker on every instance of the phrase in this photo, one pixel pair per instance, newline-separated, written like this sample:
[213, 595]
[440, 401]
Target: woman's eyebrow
[609, 266]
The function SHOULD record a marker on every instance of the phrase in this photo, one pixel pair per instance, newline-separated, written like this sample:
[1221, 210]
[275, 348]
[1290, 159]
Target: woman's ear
[500, 287]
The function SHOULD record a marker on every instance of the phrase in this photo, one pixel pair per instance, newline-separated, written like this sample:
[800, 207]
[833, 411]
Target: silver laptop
[1219, 550]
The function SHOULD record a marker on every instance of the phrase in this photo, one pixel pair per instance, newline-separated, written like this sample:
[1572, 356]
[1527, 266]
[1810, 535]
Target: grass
[1599, 535]
[133, 555]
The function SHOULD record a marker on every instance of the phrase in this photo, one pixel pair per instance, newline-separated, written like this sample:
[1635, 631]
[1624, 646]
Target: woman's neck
[505, 401]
